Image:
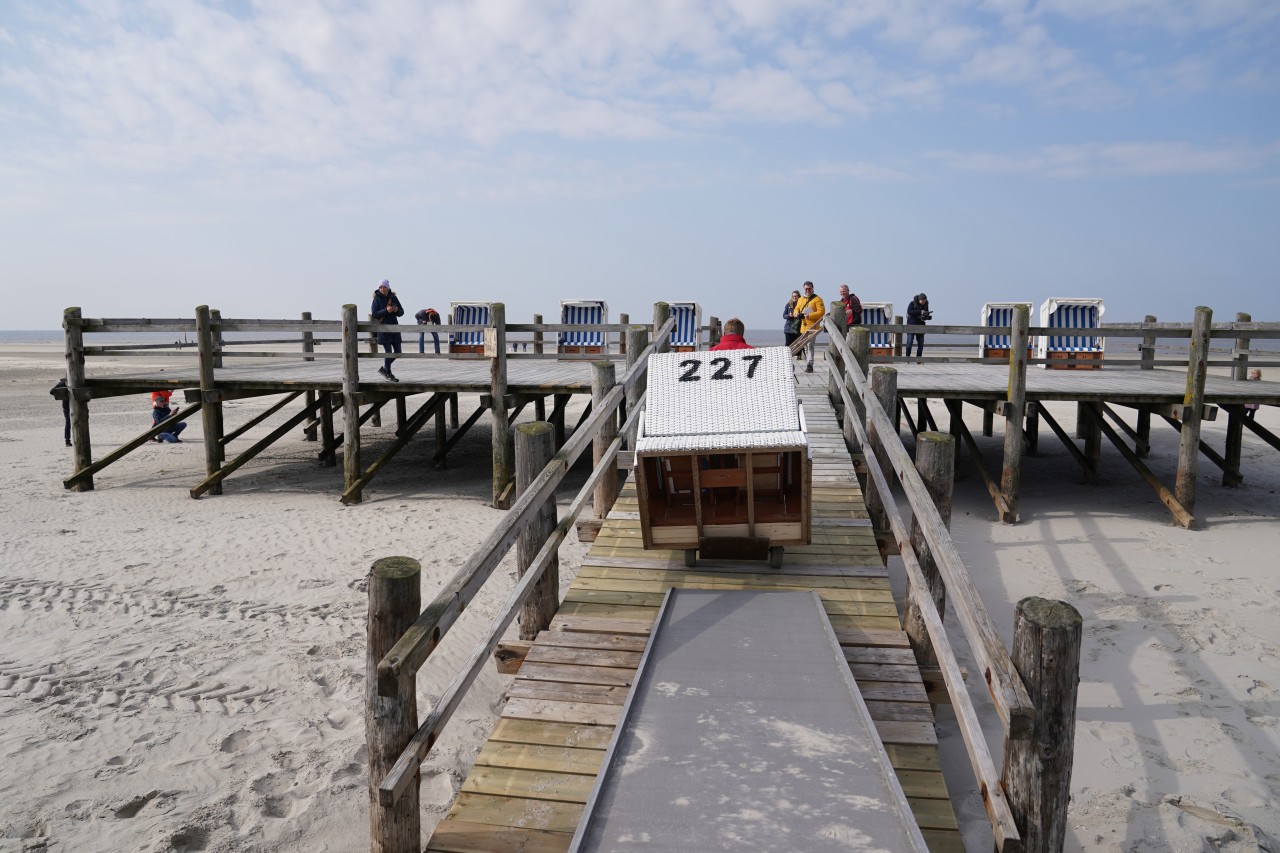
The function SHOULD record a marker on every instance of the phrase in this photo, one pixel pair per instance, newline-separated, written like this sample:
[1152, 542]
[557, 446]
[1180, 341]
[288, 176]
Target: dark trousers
[916, 338]
[390, 343]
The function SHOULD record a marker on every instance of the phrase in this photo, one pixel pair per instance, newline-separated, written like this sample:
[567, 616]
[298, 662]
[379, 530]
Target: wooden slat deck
[417, 376]
[531, 780]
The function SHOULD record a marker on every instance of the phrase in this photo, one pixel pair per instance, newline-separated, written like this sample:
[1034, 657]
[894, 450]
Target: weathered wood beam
[1015, 412]
[1067, 441]
[213, 483]
[355, 492]
[73, 345]
[209, 419]
[958, 428]
[350, 402]
[458, 434]
[1182, 515]
[1193, 403]
[124, 449]
[253, 422]
[501, 439]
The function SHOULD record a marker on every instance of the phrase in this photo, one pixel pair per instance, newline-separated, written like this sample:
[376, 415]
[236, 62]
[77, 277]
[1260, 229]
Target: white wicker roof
[727, 399]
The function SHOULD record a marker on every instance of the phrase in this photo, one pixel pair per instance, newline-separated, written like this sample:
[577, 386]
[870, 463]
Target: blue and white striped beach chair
[468, 314]
[879, 314]
[684, 337]
[583, 312]
[996, 345]
[1071, 314]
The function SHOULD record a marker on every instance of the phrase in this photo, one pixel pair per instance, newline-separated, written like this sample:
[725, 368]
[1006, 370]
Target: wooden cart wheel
[690, 557]
[775, 557]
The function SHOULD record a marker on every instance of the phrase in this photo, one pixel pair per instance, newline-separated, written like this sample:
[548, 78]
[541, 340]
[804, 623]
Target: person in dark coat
[790, 322]
[917, 314]
[66, 410]
[386, 310]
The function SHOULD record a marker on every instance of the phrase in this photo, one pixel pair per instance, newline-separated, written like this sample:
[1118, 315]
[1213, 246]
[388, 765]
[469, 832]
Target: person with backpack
[428, 317]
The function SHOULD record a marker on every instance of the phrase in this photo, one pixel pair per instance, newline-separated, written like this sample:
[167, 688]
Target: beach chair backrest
[583, 312]
[998, 314]
[721, 394]
[469, 314]
[1072, 314]
[876, 314]
[688, 319]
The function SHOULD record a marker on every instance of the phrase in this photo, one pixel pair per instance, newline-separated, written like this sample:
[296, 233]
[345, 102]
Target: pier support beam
[1037, 770]
[1090, 428]
[637, 339]
[328, 453]
[935, 460]
[1240, 370]
[211, 412]
[602, 382]
[661, 314]
[395, 599]
[1015, 411]
[502, 451]
[1193, 409]
[535, 446]
[308, 346]
[350, 399]
[82, 453]
[884, 385]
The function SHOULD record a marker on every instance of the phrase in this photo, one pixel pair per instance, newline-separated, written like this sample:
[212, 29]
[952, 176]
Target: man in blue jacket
[386, 308]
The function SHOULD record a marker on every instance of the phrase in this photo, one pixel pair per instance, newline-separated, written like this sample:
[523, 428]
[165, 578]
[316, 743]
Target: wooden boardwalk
[531, 780]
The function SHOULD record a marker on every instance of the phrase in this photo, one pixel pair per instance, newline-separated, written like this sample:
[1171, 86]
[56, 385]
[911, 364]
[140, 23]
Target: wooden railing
[1037, 740]
[394, 824]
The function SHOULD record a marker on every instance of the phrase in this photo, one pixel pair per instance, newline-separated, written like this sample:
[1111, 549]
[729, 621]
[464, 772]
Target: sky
[269, 157]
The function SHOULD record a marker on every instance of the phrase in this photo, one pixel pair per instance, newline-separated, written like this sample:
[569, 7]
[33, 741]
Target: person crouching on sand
[161, 412]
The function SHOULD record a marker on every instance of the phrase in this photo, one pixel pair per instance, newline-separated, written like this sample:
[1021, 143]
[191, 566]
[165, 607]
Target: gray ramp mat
[745, 731]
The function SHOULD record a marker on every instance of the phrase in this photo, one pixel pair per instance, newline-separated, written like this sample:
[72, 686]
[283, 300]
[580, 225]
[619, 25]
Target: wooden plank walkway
[531, 780]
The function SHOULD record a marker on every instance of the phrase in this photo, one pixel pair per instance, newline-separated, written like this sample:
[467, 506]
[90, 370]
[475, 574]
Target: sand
[188, 675]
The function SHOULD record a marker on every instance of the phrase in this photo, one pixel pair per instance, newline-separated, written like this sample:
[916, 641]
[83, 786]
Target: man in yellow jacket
[809, 309]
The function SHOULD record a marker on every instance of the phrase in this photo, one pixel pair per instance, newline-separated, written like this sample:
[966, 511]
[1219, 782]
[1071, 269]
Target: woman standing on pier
[386, 308]
[791, 323]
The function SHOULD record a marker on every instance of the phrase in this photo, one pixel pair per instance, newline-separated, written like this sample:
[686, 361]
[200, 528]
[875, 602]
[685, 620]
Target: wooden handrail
[1007, 690]
[984, 769]
[428, 629]
[415, 752]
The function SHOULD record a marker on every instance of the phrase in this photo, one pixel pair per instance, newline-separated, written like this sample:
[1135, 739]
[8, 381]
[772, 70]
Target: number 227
[693, 366]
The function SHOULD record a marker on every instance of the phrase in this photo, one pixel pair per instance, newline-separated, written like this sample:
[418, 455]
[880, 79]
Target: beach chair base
[1085, 361]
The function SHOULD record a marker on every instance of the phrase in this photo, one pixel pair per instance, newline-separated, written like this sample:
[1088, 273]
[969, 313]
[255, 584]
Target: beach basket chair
[583, 312]
[468, 314]
[996, 345]
[722, 460]
[688, 315]
[879, 314]
[1061, 350]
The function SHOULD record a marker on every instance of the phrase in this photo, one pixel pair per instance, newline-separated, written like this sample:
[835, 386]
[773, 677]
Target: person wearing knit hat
[386, 309]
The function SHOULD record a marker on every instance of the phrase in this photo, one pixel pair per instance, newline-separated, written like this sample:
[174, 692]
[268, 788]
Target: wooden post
[81, 451]
[535, 447]
[897, 336]
[624, 319]
[557, 417]
[453, 410]
[395, 599]
[1015, 411]
[661, 314]
[328, 457]
[1037, 770]
[1031, 436]
[637, 340]
[988, 422]
[498, 411]
[537, 336]
[935, 460]
[373, 348]
[350, 401]
[308, 346]
[1240, 370]
[210, 411]
[1142, 443]
[859, 340]
[714, 331]
[1091, 431]
[539, 404]
[884, 385]
[1193, 409]
[215, 318]
[602, 382]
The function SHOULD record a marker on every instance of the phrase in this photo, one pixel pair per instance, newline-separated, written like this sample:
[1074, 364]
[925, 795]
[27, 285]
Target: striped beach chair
[879, 314]
[1000, 314]
[1062, 313]
[468, 314]
[583, 312]
[684, 337]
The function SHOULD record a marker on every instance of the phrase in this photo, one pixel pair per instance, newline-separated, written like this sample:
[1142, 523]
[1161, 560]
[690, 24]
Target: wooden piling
[309, 346]
[1193, 409]
[395, 599]
[714, 331]
[453, 410]
[897, 336]
[81, 450]
[661, 314]
[884, 385]
[1090, 429]
[1148, 356]
[328, 456]
[210, 419]
[1231, 475]
[859, 340]
[935, 461]
[1037, 770]
[501, 443]
[1240, 370]
[637, 338]
[602, 382]
[624, 319]
[1015, 411]
[1031, 434]
[535, 447]
[350, 401]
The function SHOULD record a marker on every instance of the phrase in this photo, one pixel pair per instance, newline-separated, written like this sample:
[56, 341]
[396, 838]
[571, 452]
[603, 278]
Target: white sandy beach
[184, 675]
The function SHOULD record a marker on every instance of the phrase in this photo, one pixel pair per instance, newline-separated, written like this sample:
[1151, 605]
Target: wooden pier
[531, 779]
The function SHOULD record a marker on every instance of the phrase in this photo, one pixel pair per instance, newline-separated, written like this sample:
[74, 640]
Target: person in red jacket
[732, 337]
